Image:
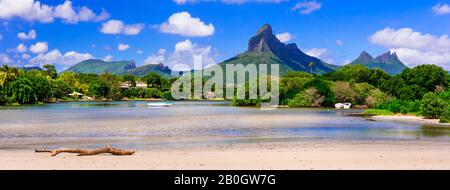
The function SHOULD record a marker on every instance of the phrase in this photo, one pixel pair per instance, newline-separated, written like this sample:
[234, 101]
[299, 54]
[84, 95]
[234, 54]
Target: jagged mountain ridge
[389, 62]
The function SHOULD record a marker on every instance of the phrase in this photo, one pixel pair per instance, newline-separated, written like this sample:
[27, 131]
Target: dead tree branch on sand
[82, 152]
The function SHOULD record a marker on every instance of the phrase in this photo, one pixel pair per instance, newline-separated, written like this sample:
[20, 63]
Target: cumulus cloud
[415, 48]
[183, 53]
[123, 47]
[118, 27]
[184, 24]
[32, 10]
[4, 59]
[73, 15]
[39, 47]
[26, 56]
[182, 2]
[156, 59]
[441, 9]
[321, 53]
[21, 48]
[31, 35]
[284, 37]
[56, 57]
[307, 7]
[139, 51]
[340, 42]
[108, 58]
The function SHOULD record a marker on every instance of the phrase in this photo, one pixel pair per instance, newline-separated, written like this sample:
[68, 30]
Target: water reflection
[191, 123]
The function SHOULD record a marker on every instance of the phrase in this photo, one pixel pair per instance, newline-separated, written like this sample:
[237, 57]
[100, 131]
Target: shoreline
[335, 155]
[409, 119]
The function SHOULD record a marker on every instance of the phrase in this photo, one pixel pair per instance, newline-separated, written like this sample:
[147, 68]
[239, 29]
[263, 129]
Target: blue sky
[335, 31]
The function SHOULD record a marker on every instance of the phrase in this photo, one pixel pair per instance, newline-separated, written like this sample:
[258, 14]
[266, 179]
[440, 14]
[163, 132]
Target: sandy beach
[404, 155]
[410, 119]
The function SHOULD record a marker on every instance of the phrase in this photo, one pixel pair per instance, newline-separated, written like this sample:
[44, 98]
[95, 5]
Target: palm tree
[7, 74]
[311, 65]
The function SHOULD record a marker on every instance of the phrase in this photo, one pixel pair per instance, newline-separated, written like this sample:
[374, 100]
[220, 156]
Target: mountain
[388, 62]
[99, 66]
[30, 68]
[264, 47]
[144, 70]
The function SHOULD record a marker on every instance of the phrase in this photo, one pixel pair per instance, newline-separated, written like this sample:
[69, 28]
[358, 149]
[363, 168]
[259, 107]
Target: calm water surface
[133, 125]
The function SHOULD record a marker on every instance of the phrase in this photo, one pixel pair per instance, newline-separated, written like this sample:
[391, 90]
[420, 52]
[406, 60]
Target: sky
[63, 33]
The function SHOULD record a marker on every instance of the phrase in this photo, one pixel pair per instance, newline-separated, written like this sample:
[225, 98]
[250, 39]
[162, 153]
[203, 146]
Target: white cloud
[183, 23]
[415, 48]
[321, 53]
[139, 51]
[185, 45]
[4, 59]
[31, 35]
[21, 48]
[40, 47]
[123, 47]
[307, 7]
[340, 42]
[108, 58]
[70, 15]
[284, 37]
[156, 59]
[32, 10]
[118, 27]
[26, 56]
[56, 57]
[182, 2]
[184, 53]
[1, 37]
[441, 9]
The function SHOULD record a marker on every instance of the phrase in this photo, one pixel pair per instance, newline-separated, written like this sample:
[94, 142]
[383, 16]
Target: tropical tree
[22, 90]
[433, 106]
[51, 71]
[311, 66]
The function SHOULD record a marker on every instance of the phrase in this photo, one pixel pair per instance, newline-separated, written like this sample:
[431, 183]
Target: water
[131, 124]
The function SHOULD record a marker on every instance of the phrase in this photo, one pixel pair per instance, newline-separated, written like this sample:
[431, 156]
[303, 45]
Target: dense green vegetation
[423, 90]
[377, 112]
[18, 86]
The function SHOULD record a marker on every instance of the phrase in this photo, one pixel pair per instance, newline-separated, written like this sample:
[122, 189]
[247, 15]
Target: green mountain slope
[265, 48]
[144, 70]
[98, 66]
[389, 62]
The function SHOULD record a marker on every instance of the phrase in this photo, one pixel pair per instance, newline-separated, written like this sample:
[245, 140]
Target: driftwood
[82, 152]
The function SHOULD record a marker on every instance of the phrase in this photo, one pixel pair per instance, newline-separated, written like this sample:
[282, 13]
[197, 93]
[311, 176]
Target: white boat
[343, 105]
[159, 104]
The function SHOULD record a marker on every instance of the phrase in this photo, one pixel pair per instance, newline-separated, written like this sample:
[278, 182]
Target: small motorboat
[159, 104]
[343, 105]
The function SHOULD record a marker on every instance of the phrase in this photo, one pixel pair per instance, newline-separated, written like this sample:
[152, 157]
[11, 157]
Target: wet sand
[336, 155]
[410, 119]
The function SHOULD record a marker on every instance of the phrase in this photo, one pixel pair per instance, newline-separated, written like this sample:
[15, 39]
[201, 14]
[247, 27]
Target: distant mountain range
[96, 66]
[265, 48]
[388, 62]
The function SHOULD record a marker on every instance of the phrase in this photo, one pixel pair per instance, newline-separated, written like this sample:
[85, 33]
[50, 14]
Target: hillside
[264, 47]
[389, 62]
[144, 70]
[99, 66]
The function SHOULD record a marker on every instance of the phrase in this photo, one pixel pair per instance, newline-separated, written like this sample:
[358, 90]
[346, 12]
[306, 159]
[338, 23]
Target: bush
[343, 92]
[151, 93]
[307, 98]
[433, 106]
[445, 118]
[378, 112]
